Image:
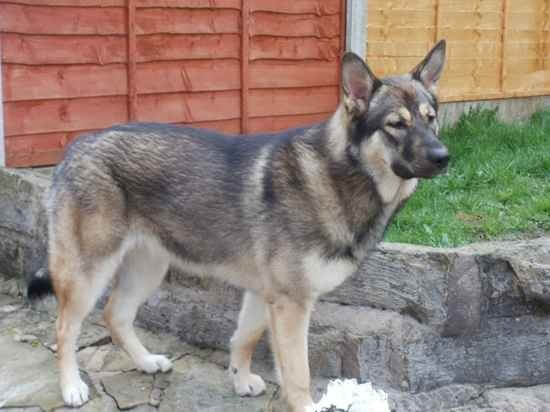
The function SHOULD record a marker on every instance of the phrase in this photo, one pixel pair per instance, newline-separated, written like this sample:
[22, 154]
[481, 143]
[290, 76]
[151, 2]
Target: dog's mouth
[428, 170]
[434, 163]
[433, 173]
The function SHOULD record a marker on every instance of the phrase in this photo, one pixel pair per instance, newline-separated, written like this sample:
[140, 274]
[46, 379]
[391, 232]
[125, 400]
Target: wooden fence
[71, 66]
[496, 48]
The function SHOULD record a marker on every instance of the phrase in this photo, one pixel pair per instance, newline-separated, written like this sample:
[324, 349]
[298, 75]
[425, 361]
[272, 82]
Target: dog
[287, 216]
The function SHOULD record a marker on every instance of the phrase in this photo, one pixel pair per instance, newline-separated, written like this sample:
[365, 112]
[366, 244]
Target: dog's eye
[398, 124]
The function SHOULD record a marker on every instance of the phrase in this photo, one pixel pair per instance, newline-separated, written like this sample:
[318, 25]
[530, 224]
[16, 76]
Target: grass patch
[497, 185]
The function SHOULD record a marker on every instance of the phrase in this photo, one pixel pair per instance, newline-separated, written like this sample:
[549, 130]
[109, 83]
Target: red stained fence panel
[74, 66]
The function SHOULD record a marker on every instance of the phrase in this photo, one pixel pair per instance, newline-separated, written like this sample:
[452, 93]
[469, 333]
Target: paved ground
[28, 373]
[198, 382]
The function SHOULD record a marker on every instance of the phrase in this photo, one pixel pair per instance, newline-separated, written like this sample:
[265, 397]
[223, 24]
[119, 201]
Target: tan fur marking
[406, 190]
[325, 275]
[426, 110]
[405, 114]
[289, 328]
[376, 156]
[337, 139]
[393, 118]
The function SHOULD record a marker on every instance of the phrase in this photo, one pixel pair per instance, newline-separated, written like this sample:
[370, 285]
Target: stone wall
[414, 320]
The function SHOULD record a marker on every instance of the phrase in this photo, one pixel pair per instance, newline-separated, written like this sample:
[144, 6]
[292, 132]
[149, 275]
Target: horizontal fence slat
[160, 47]
[187, 21]
[26, 19]
[397, 49]
[271, 24]
[72, 3]
[492, 95]
[380, 33]
[274, 74]
[525, 5]
[536, 80]
[30, 49]
[192, 75]
[400, 5]
[61, 115]
[470, 20]
[231, 126]
[22, 82]
[33, 158]
[199, 4]
[452, 34]
[41, 141]
[278, 123]
[278, 102]
[318, 7]
[401, 18]
[471, 5]
[264, 47]
[189, 107]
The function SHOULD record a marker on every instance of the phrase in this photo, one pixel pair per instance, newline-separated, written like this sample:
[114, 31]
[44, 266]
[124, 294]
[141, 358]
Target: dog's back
[178, 184]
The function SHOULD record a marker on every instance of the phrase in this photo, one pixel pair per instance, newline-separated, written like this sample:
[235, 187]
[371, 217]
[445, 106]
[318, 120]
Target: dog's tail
[40, 285]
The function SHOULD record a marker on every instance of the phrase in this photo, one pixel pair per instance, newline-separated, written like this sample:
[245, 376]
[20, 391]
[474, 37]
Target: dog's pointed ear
[358, 84]
[429, 70]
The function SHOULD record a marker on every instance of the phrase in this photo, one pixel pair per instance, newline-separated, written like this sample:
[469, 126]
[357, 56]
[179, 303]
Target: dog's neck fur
[354, 206]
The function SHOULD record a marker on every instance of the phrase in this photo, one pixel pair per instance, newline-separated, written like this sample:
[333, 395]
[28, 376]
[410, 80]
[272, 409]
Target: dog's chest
[325, 274]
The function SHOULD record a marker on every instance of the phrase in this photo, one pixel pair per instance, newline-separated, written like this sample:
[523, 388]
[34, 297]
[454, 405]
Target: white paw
[75, 393]
[248, 385]
[154, 363]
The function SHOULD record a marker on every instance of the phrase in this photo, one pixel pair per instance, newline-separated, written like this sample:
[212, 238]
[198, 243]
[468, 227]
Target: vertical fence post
[503, 27]
[541, 52]
[245, 47]
[343, 25]
[436, 21]
[2, 141]
[355, 26]
[132, 86]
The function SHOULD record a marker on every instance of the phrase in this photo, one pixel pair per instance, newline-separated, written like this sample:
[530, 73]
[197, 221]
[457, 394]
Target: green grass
[497, 185]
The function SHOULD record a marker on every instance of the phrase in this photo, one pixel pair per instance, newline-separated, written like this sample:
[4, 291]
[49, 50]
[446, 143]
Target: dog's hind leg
[252, 323]
[140, 273]
[77, 291]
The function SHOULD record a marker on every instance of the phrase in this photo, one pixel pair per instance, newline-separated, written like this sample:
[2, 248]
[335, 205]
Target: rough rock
[442, 329]
[28, 375]
[441, 399]
[536, 398]
[23, 234]
[129, 389]
[195, 387]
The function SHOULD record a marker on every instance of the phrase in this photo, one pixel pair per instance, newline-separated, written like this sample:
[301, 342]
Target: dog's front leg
[289, 322]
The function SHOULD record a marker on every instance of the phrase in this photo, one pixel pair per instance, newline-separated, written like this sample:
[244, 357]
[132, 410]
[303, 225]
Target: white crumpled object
[347, 395]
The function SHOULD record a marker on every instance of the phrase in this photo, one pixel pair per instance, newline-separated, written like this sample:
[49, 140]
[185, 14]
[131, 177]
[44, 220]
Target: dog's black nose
[439, 156]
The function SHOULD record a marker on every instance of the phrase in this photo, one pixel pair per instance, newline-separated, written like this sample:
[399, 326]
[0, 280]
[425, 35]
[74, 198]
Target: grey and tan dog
[287, 216]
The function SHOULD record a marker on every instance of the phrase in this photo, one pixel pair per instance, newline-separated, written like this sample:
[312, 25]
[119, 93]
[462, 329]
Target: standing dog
[288, 216]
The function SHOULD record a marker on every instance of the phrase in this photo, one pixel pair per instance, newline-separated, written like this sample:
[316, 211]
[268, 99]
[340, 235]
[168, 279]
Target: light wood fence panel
[496, 48]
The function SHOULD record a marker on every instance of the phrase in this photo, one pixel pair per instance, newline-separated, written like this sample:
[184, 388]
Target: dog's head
[392, 122]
